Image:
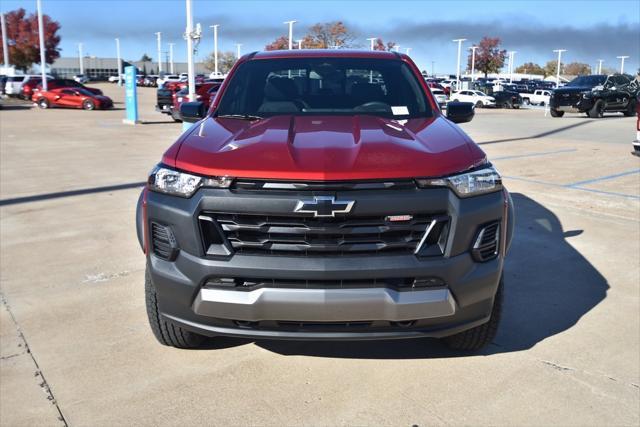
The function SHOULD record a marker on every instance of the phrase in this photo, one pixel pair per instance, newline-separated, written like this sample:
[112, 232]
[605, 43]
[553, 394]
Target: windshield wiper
[239, 116]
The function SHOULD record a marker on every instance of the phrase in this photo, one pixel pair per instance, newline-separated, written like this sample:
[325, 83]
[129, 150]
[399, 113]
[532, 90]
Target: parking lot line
[603, 178]
[543, 153]
[574, 187]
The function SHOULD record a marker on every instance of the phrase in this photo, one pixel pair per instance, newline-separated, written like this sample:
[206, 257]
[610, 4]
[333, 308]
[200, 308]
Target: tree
[329, 35]
[320, 36]
[225, 62]
[146, 58]
[531, 68]
[577, 69]
[551, 67]
[489, 58]
[281, 43]
[378, 44]
[23, 40]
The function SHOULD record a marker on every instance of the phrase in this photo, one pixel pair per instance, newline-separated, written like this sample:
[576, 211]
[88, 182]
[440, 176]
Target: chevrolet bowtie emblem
[324, 206]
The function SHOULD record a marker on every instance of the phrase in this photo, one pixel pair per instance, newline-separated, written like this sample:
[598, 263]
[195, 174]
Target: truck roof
[324, 53]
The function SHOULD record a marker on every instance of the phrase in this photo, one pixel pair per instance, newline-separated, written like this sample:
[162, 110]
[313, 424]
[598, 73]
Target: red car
[68, 83]
[314, 202]
[72, 98]
[31, 85]
[204, 93]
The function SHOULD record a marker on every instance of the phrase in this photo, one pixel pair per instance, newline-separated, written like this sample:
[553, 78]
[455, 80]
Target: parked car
[3, 82]
[440, 97]
[71, 98]
[312, 211]
[29, 85]
[506, 99]
[479, 99]
[81, 78]
[595, 95]
[67, 83]
[538, 97]
[204, 93]
[160, 81]
[13, 86]
[114, 79]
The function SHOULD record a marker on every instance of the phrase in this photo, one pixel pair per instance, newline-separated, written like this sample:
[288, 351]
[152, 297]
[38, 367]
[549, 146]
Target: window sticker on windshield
[399, 110]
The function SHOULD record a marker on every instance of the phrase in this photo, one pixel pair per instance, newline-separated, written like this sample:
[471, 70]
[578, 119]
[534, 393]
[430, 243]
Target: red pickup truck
[324, 196]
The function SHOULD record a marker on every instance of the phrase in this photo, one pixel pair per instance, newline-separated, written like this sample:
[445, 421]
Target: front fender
[140, 215]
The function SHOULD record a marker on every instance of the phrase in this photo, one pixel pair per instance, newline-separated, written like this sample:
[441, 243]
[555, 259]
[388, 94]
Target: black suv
[595, 95]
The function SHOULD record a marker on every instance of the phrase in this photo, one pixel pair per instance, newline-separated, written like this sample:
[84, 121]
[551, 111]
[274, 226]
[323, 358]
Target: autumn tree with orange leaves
[23, 42]
[329, 35]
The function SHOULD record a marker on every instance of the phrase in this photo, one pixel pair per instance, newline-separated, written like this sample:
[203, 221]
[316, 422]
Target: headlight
[481, 181]
[169, 181]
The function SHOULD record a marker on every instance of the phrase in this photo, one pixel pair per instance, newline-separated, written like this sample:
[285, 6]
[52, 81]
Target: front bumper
[575, 103]
[464, 299]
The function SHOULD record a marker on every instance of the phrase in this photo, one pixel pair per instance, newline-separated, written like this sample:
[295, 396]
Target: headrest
[280, 89]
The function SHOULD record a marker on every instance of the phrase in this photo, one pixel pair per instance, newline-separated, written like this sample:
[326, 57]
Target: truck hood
[325, 148]
[573, 89]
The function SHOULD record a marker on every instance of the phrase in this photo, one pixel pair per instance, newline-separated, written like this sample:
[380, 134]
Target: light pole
[559, 51]
[300, 44]
[397, 48]
[407, 50]
[372, 40]
[80, 58]
[459, 41]
[171, 57]
[192, 36]
[159, 37]
[119, 62]
[42, 52]
[622, 58]
[512, 54]
[473, 62]
[215, 48]
[290, 23]
[600, 61]
[238, 46]
[433, 68]
[5, 49]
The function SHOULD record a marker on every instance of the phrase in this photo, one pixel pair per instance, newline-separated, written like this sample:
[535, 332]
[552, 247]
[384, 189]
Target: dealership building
[101, 68]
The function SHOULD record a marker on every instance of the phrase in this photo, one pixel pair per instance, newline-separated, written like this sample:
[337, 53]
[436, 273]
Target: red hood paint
[325, 148]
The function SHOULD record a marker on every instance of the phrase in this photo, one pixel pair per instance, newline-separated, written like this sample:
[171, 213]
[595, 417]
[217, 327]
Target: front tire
[479, 104]
[476, 338]
[631, 110]
[88, 105]
[556, 113]
[43, 103]
[166, 332]
[597, 111]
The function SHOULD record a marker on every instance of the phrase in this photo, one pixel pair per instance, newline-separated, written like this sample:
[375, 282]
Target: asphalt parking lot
[76, 347]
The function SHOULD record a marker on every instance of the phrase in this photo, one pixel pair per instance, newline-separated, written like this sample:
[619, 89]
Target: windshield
[324, 86]
[587, 81]
[83, 91]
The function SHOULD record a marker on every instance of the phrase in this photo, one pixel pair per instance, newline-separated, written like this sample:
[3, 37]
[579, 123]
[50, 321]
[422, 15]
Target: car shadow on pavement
[549, 286]
[6, 107]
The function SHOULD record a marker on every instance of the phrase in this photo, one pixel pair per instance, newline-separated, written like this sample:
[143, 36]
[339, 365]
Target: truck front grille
[310, 236]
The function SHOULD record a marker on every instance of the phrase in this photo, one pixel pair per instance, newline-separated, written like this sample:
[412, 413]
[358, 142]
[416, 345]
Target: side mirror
[191, 112]
[460, 112]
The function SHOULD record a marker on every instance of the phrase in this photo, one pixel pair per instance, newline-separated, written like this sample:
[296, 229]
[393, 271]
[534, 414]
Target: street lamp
[192, 36]
[238, 45]
[397, 48]
[559, 51]
[215, 48]
[42, 52]
[300, 44]
[407, 50]
[512, 54]
[290, 23]
[80, 58]
[622, 58]
[159, 37]
[600, 61]
[433, 68]
[171, 57]
[372, 40]
[5, 49]
[119, 62]
[459, 41]
[473, 62]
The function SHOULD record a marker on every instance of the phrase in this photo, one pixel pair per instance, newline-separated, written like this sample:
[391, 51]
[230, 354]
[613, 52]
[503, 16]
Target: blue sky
[589, 30]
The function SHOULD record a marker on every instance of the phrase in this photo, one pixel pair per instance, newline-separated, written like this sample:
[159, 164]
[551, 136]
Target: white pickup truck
[538, 97]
